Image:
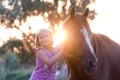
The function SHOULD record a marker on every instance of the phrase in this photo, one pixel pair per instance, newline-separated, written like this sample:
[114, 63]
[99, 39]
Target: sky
[107, 20]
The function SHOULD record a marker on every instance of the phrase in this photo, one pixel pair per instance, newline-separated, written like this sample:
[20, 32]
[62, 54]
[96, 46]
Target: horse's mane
[108, 53]
[104, 45]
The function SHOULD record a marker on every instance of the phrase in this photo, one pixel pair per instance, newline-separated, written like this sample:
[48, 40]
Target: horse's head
[78, 41]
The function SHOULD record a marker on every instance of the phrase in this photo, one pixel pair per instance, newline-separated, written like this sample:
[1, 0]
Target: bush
[10, 61]
[8, 64]
[2, 71]
[19, 75]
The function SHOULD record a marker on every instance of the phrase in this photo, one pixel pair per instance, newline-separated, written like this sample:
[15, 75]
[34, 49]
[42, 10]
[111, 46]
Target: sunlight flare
[59, 36]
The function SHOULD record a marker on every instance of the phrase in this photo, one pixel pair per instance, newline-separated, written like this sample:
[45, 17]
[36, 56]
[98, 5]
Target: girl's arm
[49, 61]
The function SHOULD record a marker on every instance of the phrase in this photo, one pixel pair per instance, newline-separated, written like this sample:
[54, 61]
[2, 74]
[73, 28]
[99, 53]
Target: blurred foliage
[10, 46]
[19, 75]
[20, 9]
[23, 49]
[10, 62]
[23, 8]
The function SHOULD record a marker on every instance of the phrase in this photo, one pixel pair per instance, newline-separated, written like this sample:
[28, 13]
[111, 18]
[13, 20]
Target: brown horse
[94, 56]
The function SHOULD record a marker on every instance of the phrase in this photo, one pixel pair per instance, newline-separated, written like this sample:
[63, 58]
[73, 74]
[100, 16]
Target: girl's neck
[48, 48]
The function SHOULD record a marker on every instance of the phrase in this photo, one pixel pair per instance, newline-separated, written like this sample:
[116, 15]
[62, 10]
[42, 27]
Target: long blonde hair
[37, 44]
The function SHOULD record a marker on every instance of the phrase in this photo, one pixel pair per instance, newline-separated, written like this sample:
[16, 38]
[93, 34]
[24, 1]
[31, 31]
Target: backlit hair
[37, 44]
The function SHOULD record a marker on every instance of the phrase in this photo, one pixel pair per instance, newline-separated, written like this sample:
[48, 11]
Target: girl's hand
[64, 53]
[60, 49]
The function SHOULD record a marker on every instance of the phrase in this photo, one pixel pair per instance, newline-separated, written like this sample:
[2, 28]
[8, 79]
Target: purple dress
[43, 71]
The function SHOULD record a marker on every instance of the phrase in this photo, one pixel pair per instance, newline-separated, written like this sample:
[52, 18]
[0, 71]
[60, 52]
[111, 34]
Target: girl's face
[45, 38]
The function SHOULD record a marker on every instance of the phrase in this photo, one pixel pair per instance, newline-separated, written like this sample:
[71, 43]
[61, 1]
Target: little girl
[46, 56]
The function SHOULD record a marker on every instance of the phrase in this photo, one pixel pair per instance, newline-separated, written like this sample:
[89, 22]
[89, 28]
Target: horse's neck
[105, 49]
[100, 45]
[104, 43]
[108, 54]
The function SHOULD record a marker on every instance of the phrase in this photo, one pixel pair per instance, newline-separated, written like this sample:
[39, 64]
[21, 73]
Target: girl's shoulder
[39, 49]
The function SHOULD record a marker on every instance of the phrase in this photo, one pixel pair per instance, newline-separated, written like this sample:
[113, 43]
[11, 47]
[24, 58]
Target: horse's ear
[72, 12]
[86, 12]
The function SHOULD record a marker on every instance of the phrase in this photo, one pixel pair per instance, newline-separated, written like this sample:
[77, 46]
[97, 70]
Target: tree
[21, 9]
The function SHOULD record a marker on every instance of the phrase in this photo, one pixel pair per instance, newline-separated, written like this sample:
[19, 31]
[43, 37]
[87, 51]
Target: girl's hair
[37, 44]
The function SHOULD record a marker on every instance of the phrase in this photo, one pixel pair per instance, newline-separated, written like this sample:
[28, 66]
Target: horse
[93, 56]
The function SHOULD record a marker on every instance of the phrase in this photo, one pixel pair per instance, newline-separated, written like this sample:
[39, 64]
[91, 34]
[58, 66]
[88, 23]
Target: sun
[59, 36]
